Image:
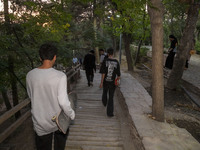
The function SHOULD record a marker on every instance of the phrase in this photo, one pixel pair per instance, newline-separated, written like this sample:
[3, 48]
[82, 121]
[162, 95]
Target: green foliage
[197, 47]
[37, 23]
[143, 51]
[132, 18]
[174, 19]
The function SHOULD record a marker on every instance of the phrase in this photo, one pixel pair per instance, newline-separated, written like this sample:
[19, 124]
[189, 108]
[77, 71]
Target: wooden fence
[72, 74]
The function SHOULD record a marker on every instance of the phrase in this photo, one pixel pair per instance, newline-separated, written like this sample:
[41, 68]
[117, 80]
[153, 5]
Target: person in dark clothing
[110, 72]
[103, 56]
[90, 67]
[172, 52]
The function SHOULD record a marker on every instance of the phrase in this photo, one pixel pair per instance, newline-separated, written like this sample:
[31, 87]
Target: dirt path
[179, 108]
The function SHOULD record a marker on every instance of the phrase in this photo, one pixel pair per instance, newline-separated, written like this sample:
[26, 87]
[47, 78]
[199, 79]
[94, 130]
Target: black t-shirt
[110, 68]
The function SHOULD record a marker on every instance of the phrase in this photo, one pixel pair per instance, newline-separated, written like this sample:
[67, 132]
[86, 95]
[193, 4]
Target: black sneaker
[110, 116]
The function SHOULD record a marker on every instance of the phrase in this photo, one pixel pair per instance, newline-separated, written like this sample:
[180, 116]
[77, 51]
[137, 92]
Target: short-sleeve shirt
[111, 69]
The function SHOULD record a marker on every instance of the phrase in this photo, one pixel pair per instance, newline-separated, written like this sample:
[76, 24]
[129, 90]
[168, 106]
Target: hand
[101, 85]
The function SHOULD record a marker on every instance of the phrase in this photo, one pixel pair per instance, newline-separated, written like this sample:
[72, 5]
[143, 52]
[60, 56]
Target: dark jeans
[45, 142]
[108, 88]
[89, 75]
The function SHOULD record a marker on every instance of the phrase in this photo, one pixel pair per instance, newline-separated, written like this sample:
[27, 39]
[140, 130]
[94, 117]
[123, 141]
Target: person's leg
[43, 142]
[110, 106]
[104, 95]
[87, 76]
[91, 77]
[60, 140]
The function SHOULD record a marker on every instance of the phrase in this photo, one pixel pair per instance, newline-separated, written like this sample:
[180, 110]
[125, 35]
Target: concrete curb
[155, 135]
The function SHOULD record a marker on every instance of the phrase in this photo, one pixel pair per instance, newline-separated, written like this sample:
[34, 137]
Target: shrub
[197, 47]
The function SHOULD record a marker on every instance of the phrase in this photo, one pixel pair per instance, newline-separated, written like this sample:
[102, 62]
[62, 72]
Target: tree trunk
[127, 42]
[11, 60]
[13, 82]
[95, 33]
[6, 12]
[156, 19]
[184, 47]
[6, 99]
[137, 57]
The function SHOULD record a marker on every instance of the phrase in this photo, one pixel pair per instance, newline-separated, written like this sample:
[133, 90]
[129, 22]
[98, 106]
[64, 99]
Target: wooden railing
[73, 73]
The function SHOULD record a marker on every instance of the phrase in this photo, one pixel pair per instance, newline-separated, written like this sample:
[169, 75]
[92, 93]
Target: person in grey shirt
[47, 89]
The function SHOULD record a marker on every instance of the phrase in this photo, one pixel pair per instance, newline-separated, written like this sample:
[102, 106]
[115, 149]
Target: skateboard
[62, 120]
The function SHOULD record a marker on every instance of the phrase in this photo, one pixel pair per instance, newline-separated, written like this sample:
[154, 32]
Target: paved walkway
[192, 74]
[92, 129]
[155, 135]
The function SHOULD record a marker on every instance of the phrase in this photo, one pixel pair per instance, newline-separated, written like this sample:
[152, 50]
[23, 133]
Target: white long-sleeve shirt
[47, 89]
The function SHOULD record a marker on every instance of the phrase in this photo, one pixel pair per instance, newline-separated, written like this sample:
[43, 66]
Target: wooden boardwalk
[92, 129]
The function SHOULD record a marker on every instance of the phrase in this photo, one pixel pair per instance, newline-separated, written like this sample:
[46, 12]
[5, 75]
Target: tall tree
[95, 31]
[156, 11]
[11, 60]
[127, 37]
[128, 23]
[185, 45]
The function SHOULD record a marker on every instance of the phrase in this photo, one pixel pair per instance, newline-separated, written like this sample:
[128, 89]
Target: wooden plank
[68, 78]
[15, 109]
[71, 70]
[14, 126]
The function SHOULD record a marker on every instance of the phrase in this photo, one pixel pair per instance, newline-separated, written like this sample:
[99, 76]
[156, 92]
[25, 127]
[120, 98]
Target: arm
[94, 64]
[63, 99]
[102, 79]
[102, 71]
[118, 72]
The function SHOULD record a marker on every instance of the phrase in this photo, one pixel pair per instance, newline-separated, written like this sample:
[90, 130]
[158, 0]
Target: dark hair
[110, 51]
[47, 51]
[101, 50]
[92, 51]
[172, 36]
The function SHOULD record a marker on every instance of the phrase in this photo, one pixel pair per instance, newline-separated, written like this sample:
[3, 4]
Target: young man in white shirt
[47, 89]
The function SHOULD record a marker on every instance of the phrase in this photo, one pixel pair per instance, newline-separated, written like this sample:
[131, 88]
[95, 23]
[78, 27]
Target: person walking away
[103, 56]
[75, 61]
[171, 52]
[47, 89]
[90, 66]
[110, 72]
